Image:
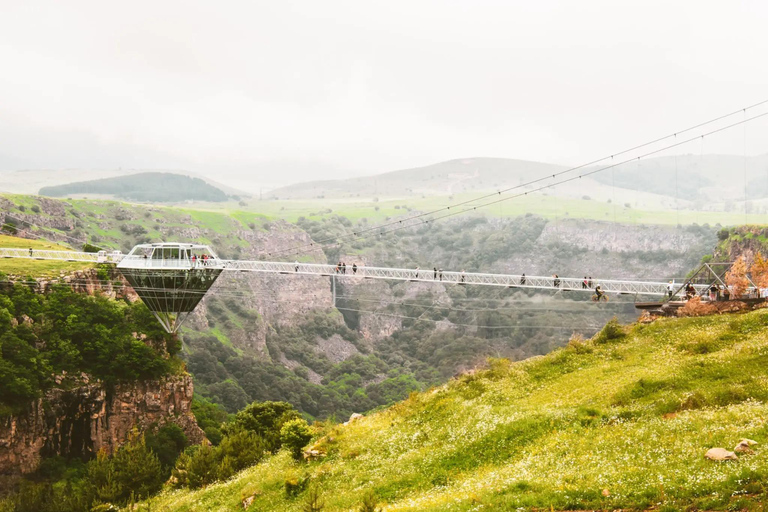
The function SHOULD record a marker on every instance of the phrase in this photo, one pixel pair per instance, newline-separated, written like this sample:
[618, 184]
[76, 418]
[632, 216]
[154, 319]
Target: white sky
[278, 92]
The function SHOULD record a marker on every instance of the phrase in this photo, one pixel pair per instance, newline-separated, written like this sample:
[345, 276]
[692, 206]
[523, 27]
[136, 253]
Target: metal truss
[648, 288]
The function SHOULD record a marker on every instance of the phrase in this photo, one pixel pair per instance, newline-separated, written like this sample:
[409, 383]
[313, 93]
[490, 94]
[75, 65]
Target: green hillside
[619, 421]
[148, 187]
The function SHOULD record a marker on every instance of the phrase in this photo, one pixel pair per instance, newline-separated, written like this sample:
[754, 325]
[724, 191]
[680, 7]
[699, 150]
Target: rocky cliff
[80, 420]
[740, 241]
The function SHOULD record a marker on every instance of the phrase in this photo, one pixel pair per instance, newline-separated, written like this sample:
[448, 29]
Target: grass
[620, 421]
[551, 207]
[36, 268]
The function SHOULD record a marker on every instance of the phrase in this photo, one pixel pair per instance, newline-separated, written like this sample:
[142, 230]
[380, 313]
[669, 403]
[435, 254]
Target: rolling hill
[149, 187]
[621, 421]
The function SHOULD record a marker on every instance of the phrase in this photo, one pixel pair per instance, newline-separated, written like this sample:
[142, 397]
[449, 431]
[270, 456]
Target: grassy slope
[632, 416]
[546, 206]
[35, 268]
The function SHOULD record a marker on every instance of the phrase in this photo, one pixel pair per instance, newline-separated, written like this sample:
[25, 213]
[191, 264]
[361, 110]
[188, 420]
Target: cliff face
[80, 421]
[740, 241]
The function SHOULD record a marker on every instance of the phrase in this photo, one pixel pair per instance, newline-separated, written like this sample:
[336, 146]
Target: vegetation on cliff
[44, 337]
[619, 421]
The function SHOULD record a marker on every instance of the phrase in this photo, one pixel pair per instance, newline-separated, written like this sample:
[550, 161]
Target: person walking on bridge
[435, 269]
[584, 283]
[354, 268]
[522, 279]
[671, 289]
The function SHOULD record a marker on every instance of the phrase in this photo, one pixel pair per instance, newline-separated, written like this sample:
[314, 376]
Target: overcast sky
[285, 91]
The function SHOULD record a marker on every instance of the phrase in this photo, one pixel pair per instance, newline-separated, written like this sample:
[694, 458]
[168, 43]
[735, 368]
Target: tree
[313, 503]
[736, 277]
[133, 470]
[265, 419]
[759, 271]
[295, 435]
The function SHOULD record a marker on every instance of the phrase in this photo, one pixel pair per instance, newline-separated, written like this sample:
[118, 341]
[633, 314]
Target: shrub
[313, 503]
[369, 503]
[295, 435]
[239, 451]
[578, 344]
[134, 470]
[196, 468]
[35, 209]
[265, 419]
[295, 486]
[167, 443]
[613, 330]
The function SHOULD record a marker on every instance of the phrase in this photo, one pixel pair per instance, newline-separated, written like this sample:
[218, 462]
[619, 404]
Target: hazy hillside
[149, 187]
[619, 421]
[445, 178]
[704, 182]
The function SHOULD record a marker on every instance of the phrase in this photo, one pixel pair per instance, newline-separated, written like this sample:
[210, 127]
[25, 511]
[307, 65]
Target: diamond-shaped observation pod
[171, 278]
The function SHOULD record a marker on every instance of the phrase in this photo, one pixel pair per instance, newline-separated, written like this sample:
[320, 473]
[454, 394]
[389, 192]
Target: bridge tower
[171, 278]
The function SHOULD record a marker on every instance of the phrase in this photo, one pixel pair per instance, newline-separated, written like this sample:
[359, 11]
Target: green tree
[265, 419]
[133, 470]
[295, 434]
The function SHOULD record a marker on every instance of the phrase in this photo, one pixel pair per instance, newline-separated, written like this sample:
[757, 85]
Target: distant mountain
[149, 187]
[702, 178]
[445, 178]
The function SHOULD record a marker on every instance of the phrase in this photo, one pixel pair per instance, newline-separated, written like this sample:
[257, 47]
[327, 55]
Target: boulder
[720, 454]
[355, 416]
[744, 446]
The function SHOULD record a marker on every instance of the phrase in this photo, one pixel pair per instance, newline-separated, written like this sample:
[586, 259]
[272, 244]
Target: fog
[271, 93]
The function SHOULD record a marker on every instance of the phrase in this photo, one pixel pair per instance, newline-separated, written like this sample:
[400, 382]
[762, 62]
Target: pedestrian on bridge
[296, 266]
[584, 283]
[417, 273]
[556, 281]
[522, 279]
[30, 251]
[671, 288]
[354, 268]
[441, 274]
[435, 269]
[463, 276]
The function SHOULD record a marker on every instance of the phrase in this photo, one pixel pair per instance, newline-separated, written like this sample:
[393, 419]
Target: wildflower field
[619, 421]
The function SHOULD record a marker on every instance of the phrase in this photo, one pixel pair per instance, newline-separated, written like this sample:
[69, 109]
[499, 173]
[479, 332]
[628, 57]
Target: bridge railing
[41, 254]
[318, 269]
[430, 275]
[185, 264]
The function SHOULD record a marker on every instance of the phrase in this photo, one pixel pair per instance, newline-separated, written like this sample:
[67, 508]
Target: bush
[613, 330]
[295, 435]
[239, 451]
[196, 467]
[134, 470]
[35, 209]
[265, 419]
[369, 503]
[167, 443]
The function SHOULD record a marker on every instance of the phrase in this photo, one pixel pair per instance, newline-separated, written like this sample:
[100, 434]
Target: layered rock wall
[83, 420]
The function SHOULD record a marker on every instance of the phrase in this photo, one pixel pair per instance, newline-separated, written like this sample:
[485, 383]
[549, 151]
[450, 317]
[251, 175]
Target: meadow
[619, 421]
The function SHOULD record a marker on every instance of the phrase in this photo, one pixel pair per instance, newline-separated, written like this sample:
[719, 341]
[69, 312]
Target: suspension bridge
[172, 278]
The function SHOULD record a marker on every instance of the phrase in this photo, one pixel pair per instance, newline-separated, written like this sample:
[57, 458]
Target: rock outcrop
[85, 419]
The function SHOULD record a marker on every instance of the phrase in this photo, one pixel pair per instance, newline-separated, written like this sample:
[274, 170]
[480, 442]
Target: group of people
[715, 291]
[200, 260]
[341, 268]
